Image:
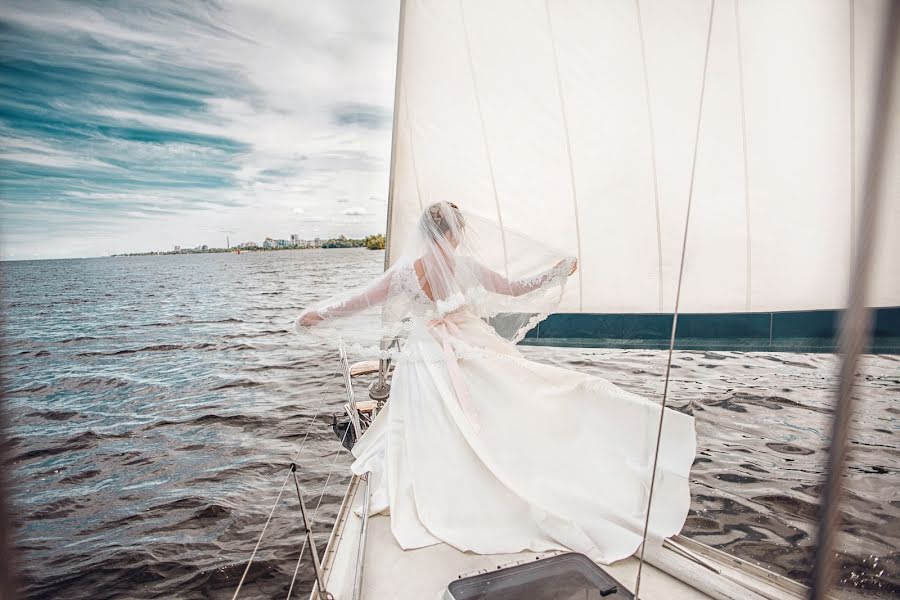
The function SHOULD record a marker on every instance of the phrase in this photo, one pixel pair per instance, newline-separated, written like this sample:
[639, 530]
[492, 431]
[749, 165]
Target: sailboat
[720, 168]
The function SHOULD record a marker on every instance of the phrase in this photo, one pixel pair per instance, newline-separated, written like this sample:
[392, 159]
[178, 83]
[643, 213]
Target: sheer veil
[455, 263]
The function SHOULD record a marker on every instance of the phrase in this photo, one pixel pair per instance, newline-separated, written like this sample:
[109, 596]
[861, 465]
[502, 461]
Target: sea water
[156, 402]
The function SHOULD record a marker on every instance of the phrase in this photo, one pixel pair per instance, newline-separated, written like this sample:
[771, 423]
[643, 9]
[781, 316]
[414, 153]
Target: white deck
[392, 573]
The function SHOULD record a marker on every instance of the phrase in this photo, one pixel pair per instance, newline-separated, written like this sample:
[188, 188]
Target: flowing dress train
[489, 452]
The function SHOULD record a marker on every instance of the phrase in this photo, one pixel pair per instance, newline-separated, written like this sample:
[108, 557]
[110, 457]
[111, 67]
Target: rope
[316, 512]
[281, 491]
[687, 221]
[259, 541]
[315, 416]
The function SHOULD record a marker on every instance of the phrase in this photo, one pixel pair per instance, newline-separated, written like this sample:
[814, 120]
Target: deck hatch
[563, 577]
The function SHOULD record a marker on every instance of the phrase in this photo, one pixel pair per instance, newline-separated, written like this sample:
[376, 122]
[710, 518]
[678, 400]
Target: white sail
[573, 121]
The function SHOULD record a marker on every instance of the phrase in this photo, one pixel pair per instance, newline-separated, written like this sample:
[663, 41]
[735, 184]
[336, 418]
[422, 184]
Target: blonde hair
[435, 218]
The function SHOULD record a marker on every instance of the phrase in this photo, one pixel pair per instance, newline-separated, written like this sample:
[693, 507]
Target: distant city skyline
[128, 127]
[281, 242]
[372, 242]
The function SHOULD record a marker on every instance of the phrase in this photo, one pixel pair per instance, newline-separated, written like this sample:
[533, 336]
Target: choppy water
[155, 403]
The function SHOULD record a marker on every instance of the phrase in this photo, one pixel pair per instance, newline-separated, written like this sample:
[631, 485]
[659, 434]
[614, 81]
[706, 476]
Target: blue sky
[133, 126]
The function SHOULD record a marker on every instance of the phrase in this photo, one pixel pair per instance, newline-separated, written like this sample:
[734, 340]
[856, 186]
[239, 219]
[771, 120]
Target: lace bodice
[405, 282]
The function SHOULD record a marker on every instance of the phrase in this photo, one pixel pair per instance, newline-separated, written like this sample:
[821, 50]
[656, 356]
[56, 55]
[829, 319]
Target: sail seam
[412, 149]
[565, 120]
[740, 65]
[659, 258]
[487, 149]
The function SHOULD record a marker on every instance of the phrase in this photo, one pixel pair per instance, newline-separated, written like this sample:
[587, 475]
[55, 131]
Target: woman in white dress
[479, 447]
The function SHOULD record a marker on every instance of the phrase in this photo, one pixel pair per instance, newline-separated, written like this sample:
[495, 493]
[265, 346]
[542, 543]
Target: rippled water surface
[155, 403]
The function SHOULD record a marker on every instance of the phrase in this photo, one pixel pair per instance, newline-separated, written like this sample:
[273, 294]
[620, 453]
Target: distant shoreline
[211, 251]
[224, 251]
[372, 242]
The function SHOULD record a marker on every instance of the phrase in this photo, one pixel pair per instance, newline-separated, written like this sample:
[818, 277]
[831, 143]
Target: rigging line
[565, 120]
[315, 416]
[740, 61]
[259, 541]
[281, 491]
[687, 221]
[659, 257]
[856, 320]
[316, 512]
[487, 149]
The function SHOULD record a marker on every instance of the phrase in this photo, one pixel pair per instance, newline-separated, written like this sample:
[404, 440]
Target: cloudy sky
[134, 126]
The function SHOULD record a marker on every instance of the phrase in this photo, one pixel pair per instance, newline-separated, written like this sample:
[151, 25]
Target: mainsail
[574, 122]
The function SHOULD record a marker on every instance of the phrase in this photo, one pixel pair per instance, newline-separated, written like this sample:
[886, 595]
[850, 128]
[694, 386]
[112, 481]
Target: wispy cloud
[356, 211]
[135, 126]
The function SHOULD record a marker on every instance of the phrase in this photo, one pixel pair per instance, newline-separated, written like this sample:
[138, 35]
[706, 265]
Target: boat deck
[390, 572]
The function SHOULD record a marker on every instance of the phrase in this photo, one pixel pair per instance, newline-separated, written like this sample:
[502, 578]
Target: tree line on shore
[372, 242]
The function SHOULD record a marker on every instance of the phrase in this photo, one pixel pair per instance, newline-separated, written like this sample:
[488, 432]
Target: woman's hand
[308, 318]
[572, 267]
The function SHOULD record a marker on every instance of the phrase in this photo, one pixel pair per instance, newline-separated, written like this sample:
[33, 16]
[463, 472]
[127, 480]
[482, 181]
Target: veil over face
[455, 263]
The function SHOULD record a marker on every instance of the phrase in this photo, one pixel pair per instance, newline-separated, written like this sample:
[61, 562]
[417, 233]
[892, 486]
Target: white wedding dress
[535, 458]
[489, 452]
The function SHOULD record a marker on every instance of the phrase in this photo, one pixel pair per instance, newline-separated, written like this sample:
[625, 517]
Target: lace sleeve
[497, 283]
[343, 306]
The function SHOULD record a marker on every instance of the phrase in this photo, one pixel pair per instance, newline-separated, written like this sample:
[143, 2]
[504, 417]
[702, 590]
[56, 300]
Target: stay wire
[283, 484]
[687, 221]
[316, 512]
[856, 319]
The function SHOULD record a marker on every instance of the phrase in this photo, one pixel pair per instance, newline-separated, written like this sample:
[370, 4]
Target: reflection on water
[763, 422]
[156, 401]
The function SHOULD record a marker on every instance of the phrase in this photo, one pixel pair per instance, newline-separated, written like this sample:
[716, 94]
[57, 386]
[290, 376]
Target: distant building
[317, 243]
[269, 243]
[295, 240]
[177, 248]
[282, 244]
[247, 245]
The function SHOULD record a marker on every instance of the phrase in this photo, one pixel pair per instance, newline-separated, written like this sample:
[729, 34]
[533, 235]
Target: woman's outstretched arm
[373, 294]
[497, 283]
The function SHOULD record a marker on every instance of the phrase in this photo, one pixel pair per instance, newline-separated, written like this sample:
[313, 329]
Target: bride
[479, 447]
